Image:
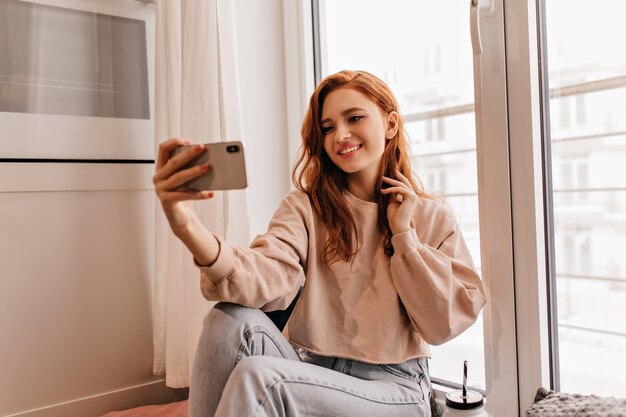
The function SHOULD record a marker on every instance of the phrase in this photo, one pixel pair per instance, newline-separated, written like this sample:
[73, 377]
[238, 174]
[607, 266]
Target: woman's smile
[348, 151]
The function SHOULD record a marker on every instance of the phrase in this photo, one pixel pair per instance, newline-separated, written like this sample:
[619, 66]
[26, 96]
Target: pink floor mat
[177, 409]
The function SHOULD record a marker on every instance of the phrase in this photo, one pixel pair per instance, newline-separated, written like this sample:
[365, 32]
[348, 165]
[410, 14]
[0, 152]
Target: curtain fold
[197, 98]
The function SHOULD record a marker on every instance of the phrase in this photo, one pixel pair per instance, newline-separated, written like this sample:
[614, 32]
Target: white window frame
[495, 214]
[508, 122]
[528, 205]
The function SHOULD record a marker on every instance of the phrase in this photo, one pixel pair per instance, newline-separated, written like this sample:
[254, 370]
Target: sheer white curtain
[197, 98]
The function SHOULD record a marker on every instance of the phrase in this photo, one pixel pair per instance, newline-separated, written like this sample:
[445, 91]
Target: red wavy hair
[316, 175]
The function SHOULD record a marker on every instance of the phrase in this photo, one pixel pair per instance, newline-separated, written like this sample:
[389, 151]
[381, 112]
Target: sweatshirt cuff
[223, 266]
[405, 243]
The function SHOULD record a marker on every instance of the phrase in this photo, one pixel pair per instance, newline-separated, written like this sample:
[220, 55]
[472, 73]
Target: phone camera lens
[232, 148]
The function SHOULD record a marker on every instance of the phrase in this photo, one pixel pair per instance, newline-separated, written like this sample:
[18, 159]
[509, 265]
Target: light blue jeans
[245, 367]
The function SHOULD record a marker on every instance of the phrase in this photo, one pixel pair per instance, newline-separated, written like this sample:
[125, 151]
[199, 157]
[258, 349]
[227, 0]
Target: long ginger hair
[315, 174]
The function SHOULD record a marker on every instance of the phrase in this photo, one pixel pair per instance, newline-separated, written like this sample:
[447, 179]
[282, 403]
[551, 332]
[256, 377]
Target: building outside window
[587, 81]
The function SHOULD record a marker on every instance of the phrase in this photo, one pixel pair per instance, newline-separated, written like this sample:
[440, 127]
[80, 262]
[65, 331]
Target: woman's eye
[353, 119]
[326, 129]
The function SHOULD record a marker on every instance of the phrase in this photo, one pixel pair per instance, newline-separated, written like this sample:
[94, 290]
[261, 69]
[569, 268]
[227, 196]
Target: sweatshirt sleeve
[269, 273]
[438, 285]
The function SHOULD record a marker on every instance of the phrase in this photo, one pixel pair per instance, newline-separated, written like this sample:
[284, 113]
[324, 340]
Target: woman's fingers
[401, 189]
[397, 183]
[163, 154]
[182, 177]
[398, 193]
[169, 177]
[399, 174]
[397, 190]
[393, 182]
[174, 163]
[401, 178]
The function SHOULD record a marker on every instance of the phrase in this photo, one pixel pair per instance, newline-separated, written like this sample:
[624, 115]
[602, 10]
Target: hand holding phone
[228, 168]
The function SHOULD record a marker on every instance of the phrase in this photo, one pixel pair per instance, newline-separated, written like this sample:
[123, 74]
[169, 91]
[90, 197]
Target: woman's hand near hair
[402, 203]
[178, 205]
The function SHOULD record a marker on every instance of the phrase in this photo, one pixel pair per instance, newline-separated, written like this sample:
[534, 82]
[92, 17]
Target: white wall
[262, 76]
[77, 262]
[76, 254]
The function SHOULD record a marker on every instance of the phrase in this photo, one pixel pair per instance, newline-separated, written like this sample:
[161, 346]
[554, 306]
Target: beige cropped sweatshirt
[375, 309]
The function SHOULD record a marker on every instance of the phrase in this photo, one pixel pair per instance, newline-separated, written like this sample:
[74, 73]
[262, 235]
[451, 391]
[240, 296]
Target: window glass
[72, 62]
[587, 81]
[422, 50]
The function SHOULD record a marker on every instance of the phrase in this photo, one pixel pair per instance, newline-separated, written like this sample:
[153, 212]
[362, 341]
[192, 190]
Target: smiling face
[355, 130]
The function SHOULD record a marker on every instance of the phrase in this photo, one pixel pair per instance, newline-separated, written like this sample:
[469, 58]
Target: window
[571, 176]
[587, 84]
[429, 68]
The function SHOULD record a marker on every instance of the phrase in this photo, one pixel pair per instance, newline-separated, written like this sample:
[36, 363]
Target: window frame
[514, 228]
[531, 187]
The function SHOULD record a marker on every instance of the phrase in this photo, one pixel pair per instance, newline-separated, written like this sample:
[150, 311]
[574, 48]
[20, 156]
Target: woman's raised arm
[177, 204]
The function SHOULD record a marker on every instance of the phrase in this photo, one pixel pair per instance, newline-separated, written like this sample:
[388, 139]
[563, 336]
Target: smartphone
[228, 167]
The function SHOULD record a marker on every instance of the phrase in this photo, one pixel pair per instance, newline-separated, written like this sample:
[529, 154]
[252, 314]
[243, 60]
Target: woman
[382, 268]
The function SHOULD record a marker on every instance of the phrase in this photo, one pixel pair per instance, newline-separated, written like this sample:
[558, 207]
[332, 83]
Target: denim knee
[256, 375]
[229, 309]
[254, 368]
[245, 315]
[250, 328]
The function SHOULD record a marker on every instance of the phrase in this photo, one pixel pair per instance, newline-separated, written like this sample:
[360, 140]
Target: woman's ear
[392, 125]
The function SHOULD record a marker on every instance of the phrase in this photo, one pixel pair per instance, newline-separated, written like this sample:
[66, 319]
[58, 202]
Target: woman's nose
[342, 133]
